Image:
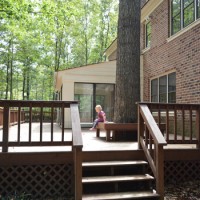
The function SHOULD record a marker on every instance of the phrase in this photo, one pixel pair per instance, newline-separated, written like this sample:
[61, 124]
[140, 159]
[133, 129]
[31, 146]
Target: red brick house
[170, 51]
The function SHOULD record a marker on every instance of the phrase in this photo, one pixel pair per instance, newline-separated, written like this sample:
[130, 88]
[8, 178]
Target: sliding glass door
[92, 94]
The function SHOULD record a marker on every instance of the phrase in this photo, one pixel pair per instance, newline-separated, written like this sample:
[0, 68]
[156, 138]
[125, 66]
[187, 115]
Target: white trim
[149, 8]
[145, 50]
[163, 74]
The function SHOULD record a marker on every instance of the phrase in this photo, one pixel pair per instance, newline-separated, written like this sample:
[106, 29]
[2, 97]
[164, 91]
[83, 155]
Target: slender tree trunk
[56, 55]
[127, 91]
[7, 78]
[28, 84]
[11, 71]
[86, 32]
[24, 84]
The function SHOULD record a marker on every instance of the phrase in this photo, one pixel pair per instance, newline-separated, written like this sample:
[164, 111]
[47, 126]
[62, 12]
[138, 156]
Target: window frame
[195, 9]
[167, 93]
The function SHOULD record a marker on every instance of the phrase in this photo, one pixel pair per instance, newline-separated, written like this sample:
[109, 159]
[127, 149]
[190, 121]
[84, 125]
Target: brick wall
[181, 54]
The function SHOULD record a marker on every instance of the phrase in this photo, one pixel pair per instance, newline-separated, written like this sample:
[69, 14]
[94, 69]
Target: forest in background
[39, 37]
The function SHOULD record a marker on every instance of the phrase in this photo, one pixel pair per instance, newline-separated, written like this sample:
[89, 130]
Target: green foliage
[39, 37]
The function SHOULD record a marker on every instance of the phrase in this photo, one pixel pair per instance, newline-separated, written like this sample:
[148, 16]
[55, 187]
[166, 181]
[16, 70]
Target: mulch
[183, 191]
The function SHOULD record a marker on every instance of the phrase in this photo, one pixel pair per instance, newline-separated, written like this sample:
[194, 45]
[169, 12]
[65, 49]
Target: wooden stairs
[117, 180]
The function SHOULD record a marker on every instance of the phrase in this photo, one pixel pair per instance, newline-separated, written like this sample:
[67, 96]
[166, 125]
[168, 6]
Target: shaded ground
[184, 191]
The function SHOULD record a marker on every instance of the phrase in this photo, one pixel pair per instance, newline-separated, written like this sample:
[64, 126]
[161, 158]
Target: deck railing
[60, 107]
[181, 125]
[13, 117]
[181, 121]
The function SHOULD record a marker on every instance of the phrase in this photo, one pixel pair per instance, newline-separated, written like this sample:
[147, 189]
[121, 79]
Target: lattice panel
[179, 171]
[40, 181]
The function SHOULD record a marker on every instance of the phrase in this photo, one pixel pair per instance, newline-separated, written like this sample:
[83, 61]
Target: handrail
[151, 140]
[77, 145]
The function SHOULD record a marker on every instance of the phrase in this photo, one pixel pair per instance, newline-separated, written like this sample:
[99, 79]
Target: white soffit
[149, 8]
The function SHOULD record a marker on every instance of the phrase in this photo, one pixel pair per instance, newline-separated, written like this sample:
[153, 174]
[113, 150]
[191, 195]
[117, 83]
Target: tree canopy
[39, 37]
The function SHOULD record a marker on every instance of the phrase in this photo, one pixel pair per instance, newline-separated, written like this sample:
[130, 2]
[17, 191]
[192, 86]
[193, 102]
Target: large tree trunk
[127, 91]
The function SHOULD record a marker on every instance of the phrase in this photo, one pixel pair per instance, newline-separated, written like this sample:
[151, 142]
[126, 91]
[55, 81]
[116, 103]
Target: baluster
[141, 128]
[175, 123]
[63, 121]
[183, 123]
[41, 122]
[52, 118]
[167, 123]
[198, 126]
[6, 122]
[19, 124]
[190, 121]
[30, 121]
[159, 116]
[146, 136]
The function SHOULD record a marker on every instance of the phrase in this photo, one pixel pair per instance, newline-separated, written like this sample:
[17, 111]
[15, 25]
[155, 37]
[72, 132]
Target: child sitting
[101, 117]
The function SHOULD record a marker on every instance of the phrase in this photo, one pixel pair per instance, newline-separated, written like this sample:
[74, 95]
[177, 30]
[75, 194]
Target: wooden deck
[90, 141]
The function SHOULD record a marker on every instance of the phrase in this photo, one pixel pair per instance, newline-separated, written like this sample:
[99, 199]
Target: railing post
[198, 127]
[77, 150]
[140, 127]
[6, 123]
[160, 171]
[78, 172]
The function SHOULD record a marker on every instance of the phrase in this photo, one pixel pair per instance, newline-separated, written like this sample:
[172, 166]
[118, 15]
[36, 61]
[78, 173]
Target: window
[176, 16]
[198, 8]
[183, 13]
[163, 89]
[148, 34]
[154, 90]
[172, 88]
[188, 12]
[91, 94]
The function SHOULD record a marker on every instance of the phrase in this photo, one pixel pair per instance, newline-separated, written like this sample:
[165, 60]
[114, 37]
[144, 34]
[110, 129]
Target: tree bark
[127, 91]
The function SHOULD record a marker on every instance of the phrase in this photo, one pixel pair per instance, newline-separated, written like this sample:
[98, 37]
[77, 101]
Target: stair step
[113, 163]
[121, 195]
[100, 179]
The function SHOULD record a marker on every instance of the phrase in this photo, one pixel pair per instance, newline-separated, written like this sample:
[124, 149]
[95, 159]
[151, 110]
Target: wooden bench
[111, 126]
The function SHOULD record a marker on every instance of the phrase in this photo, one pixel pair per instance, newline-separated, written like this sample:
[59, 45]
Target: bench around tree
[111, 126]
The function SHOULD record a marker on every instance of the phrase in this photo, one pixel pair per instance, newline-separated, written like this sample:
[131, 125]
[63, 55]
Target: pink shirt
[101, 116]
